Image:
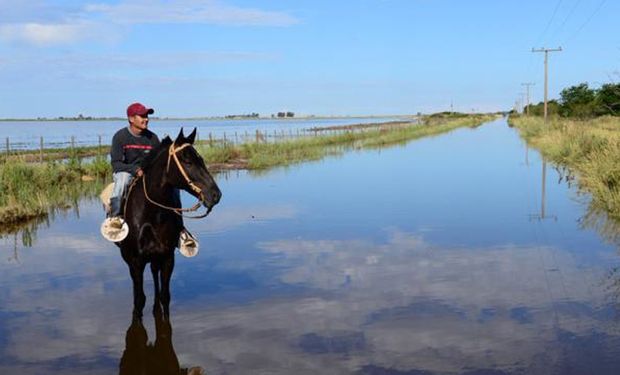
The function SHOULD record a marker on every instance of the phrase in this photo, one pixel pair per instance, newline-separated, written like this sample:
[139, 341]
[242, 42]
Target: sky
[189, 58]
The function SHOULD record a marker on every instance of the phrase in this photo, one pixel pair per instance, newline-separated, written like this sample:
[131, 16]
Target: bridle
[172, 154]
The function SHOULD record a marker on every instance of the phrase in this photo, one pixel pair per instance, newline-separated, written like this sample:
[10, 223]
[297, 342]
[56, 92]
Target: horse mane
[149, 160]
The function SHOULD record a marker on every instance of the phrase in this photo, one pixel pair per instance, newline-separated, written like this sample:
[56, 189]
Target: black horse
[154, 215]
[156, 357]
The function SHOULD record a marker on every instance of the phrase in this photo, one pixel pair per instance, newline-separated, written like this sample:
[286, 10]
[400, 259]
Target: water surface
[431, 258]
[27, 134]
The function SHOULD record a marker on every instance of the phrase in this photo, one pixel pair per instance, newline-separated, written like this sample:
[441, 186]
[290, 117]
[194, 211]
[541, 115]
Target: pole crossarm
[559, 49]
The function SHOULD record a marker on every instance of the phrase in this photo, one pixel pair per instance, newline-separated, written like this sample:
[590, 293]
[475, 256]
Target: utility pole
[546, 51]
[543, 208]
[523, 102]
[527, 100]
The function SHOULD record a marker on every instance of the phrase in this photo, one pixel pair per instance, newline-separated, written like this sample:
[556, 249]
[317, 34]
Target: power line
[555, 10]
[600, 5]
[540, 37]
[570, 13]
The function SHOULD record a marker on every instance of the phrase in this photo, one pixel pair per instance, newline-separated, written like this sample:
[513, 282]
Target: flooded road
[437, 257]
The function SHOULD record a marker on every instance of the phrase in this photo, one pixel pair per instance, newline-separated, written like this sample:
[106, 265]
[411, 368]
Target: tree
[578, 101]
[608, 99]
[553, 108]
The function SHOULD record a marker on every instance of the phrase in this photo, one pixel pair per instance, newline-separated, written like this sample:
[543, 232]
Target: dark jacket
[129, 150]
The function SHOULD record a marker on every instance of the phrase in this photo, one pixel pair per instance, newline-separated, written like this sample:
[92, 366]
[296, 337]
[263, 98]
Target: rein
[172, 154]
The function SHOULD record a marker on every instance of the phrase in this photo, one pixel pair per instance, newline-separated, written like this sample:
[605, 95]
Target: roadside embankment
[32, 189]
[590, 149]
[258, 155]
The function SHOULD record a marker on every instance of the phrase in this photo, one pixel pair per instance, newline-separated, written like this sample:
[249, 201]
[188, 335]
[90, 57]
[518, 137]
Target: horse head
[185, 169]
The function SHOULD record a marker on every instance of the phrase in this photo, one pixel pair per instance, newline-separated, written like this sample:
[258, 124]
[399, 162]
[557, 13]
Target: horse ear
[192, 137]
[180, 138]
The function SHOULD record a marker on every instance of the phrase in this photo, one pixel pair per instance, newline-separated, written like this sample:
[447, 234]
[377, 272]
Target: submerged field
[30, 189]
[590, 149]
[417, 259]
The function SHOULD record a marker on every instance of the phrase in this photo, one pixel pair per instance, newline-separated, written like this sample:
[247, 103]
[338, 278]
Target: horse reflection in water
[153, 214]
[156, 358]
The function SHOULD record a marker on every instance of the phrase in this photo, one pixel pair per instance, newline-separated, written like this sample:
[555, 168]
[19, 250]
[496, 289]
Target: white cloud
[40, 24]
[402, 303]
[232, 217]
[190, 11]
[45, 34]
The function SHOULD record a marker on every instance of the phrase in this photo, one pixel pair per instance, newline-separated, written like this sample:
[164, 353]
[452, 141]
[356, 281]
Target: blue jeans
[121, 180]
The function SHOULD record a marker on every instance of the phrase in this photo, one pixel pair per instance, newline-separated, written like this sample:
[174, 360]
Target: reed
[590, 149]
[30, 190]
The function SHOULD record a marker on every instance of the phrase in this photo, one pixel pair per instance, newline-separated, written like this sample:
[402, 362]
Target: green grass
[257, 155]
[590, 149]
[29, 190]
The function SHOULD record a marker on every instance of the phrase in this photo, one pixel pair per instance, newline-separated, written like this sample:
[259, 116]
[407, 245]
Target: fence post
[210, 139]
[224, 139]
[8, 146]
[99, 149]
[41, 151]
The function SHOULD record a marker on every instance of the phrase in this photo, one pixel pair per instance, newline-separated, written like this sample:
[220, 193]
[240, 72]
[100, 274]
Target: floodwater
[28, 134]
[437, 257]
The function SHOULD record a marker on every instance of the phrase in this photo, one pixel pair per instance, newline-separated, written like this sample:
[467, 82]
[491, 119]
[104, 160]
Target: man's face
[139, 122]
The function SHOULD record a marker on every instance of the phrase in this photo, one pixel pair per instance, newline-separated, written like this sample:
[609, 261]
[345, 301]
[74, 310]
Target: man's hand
[139, 172]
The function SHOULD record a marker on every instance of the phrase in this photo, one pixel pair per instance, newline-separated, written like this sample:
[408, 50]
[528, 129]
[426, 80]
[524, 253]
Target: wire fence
[72, 146]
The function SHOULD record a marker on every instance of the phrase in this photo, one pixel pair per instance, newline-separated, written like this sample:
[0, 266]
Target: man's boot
[114, 227]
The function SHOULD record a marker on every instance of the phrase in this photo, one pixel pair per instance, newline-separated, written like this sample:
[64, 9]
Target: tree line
[582, 101]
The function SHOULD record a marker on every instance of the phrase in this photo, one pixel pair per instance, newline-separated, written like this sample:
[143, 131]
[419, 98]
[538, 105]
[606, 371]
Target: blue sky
[218, 57]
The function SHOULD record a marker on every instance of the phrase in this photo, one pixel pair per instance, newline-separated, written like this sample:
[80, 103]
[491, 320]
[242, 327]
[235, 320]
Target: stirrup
[188, 245]
[112, 231]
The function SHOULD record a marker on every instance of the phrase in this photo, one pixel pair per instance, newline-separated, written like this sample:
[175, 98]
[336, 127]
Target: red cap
[138, 109]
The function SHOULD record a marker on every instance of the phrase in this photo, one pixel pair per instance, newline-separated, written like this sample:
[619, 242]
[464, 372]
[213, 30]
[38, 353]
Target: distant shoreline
[215, 118]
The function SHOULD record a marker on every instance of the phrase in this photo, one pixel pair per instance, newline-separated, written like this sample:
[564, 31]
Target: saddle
[106, 193]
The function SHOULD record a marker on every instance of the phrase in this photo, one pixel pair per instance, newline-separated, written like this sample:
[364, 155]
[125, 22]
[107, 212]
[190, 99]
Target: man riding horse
[130, 145]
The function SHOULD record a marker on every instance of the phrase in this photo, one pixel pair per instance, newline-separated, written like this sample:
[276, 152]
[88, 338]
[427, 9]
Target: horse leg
[167, 267]
[136, 270]
[155, 270]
